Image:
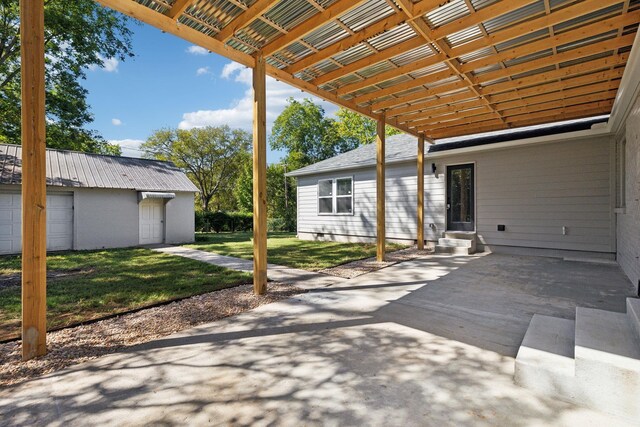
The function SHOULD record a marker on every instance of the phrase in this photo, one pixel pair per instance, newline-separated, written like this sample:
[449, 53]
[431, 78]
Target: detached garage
[96, 201]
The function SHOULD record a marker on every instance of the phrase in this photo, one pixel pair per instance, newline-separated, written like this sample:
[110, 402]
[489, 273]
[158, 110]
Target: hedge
[223, 221]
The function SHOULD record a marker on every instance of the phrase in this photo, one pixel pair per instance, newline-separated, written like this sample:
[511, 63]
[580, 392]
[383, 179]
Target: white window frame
[334, 197]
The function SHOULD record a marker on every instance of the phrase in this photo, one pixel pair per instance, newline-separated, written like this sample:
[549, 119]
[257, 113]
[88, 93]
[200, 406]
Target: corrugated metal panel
[365, 15]
[74, 169]
[326, 35]
[392, 37]
[289, 13]
[588, 18]
[464, 36]
[508, 19]
[451, 11]
[509, 44]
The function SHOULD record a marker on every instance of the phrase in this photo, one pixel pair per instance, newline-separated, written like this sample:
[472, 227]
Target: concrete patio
[425, 342]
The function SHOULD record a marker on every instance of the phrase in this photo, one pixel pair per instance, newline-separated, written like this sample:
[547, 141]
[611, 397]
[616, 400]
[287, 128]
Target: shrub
[223, 221]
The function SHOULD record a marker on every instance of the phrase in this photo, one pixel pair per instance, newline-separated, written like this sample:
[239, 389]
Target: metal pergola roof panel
[438, 68]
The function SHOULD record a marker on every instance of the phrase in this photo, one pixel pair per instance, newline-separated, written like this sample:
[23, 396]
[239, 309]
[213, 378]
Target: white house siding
[628, 219]
[180, 219]
[105, 218]
[533, 190]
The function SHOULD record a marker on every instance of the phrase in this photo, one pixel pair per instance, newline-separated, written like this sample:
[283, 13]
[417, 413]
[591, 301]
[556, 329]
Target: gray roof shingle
[74, 169]
[398, 148]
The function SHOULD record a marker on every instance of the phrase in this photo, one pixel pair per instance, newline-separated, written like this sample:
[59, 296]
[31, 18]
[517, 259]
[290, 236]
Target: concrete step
[545, 360]
[607, 358]
[453, 250]
[465, 235]
[460, 243]
[633, 312]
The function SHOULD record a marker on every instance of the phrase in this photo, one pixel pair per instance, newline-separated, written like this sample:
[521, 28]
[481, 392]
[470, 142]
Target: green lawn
[286, 249]
[91, 284]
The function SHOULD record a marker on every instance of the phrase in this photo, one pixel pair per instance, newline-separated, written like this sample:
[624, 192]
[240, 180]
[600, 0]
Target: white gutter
[628, 91]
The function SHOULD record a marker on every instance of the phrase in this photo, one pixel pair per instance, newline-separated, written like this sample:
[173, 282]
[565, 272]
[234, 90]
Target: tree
[78, 34]
[304, 132]
[355, 130]
[212, 157]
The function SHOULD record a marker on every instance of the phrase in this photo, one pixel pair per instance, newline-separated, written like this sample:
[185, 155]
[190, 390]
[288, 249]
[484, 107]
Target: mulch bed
[360, 267]
[85, 342]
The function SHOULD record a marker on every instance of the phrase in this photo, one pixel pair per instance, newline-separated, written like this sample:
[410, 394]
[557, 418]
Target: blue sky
[172, 83]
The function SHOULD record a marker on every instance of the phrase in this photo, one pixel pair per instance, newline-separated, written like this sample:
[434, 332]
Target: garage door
[59, 222]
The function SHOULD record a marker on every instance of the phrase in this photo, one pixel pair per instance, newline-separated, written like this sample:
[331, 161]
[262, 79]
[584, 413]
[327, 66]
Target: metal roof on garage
[86, 170]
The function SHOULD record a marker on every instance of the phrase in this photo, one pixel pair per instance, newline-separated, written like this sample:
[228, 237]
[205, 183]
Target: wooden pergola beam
[245, 18]
[562, 95]
[562, 73]
[518, 97]
[383, 55]
[552, 112]
[448, 87]
[467, 130]
[535, 47]
[332, 12]
[259, 177]
[411, 84]
[346, 43]
[34, 178]
[380, 189]
[164, 23]
[594, 29]
[168, 25]
[178, 8]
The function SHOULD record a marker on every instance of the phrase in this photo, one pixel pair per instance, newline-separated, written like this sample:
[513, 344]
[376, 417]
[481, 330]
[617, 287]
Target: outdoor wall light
[433, 168]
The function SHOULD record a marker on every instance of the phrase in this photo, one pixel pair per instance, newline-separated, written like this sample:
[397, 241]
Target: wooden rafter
[245, 18]
[332, 12]
[474, 80]
[178, 8]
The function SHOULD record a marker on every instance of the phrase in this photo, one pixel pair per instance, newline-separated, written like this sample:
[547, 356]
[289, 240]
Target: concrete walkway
[278, 273]
[428, 342]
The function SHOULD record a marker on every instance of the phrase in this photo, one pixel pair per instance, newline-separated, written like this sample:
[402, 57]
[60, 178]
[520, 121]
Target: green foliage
[355, 129]
[304, 131]
[212, 158]
[281, 199]
[243, 191]
[223, 221]
[78, 34]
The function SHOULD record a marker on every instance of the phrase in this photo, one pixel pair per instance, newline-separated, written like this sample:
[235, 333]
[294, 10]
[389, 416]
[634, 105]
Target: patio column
[259, 178]
[380, 193]
[34, 190]
[420, 173]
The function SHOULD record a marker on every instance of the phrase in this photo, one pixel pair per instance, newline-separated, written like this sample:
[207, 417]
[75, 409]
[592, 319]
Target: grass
[91, 284]
[287, 249]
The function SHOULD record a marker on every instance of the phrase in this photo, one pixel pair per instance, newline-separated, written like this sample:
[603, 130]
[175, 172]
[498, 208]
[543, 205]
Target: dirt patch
[81, 343]
[360, 267]
[15, 279]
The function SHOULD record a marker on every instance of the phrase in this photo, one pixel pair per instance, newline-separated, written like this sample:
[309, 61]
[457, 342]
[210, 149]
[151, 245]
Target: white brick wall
[628, 230]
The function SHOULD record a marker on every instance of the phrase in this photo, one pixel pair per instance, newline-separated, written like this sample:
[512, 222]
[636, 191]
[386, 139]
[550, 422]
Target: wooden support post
[420, 176]
[34, 190]
[259, 178]
[380, 193]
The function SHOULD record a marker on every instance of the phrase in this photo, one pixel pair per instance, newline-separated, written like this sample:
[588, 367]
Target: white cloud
[130, 147]
[197, 50]
[240, 113]
[202, 71]
[116, 122]
[109, 65]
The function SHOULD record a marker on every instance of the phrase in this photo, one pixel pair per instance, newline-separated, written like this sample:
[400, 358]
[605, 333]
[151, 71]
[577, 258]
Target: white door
[151, 221]
[59, 222]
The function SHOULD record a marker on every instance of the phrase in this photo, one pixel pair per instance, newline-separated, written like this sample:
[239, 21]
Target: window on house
[335, 196]
[325, 196]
